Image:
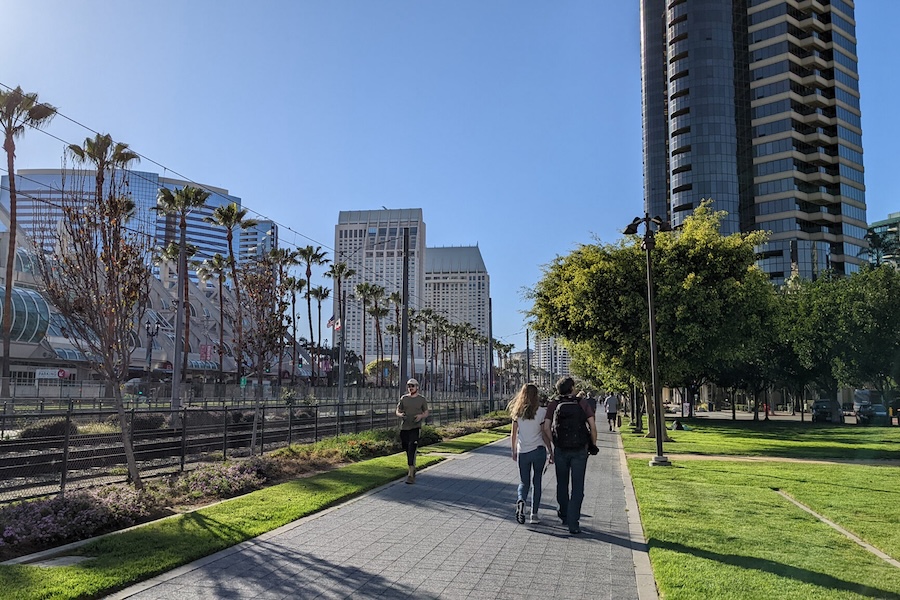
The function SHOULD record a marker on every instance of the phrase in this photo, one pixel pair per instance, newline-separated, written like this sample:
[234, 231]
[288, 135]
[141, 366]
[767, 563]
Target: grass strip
[129, 557]
[717, 530]
[464, 443]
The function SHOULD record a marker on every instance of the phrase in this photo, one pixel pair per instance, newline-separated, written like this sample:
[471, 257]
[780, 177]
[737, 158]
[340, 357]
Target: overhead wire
[138, 174]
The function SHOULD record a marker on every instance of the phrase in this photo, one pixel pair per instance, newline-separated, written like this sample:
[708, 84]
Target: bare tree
[264, 302]
[98, 278]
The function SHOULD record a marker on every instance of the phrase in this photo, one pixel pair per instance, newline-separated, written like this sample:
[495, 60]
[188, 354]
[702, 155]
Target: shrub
[48, 428]
[429, 435]
[144, 422]
[222, 480]
[42, 523]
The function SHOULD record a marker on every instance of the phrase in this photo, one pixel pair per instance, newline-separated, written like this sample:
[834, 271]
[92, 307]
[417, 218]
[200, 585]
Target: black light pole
[660, 459]
[152, 330]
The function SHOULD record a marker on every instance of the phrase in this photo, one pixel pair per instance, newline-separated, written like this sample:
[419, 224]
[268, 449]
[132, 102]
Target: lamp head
[633, 227]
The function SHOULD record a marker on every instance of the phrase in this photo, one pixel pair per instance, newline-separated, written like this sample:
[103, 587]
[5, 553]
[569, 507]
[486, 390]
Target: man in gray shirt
[412, 410]
[612, 410]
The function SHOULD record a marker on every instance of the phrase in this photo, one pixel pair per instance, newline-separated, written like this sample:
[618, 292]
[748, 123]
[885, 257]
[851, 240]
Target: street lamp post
[152, 330]
[649, 242]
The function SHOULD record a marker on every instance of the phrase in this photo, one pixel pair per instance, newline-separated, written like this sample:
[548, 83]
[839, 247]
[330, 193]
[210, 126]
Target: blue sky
[514, 125]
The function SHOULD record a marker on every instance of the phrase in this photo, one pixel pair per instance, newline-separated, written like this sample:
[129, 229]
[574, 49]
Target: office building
[38, 192]
[884, 244]
[755, 104]
[371, 243]
[257, 241]
[549, 360]
[458, 287]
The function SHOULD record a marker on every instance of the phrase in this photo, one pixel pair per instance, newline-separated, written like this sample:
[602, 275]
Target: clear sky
[514, 125]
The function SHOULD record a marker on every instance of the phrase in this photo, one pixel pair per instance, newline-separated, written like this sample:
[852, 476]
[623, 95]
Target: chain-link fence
[57, 446]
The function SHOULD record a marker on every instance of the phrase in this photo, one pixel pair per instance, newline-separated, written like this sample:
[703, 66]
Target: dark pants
[409, 439]
[570, 464]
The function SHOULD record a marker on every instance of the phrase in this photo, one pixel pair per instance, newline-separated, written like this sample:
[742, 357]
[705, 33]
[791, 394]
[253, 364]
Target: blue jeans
[574, 463]
[531, 468]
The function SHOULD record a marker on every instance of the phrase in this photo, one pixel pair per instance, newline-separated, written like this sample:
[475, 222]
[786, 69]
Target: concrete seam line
[841, 530]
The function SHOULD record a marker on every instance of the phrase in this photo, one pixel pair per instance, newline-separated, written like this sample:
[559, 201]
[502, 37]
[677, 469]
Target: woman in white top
[529, 447]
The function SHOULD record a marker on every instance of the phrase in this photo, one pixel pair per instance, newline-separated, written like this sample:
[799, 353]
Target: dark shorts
[611, 416]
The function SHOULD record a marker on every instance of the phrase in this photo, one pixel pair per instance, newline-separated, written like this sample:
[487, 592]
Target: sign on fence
[54, 373]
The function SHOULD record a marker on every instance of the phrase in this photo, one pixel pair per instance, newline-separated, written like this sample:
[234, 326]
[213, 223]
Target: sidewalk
[451, 535]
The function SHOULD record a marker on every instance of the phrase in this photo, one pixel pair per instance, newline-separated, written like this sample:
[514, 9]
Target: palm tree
[18, 110]
[365, 292]
[320, 293]
[881, 246]
[105, 155]
[395, 298]
[217, 266]
[293, 286]
[310, 256]
[232, 217]
[378, 313]
[179, 204]
[340, 272]
[172, 254]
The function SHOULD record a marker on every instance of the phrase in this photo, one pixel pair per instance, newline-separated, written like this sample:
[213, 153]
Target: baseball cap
[412, 382]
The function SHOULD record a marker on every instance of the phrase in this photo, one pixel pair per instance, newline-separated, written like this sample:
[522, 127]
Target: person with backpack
[529, 448]
[569, 423]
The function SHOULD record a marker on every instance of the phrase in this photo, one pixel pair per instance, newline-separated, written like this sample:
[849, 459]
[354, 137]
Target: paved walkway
[451, 535]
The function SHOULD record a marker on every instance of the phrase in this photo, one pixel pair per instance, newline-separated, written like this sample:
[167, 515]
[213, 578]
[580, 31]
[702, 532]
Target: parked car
[863, 412]
[880, 415]
[827, 411]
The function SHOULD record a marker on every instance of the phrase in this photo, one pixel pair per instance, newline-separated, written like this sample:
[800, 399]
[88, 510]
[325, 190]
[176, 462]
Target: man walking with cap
[412, 410]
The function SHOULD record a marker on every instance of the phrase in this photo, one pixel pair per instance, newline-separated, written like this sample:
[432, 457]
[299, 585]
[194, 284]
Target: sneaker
[610, 427]
[562, 517]
[520, 511]
[534, 520]
[575, 531]
[410, 479]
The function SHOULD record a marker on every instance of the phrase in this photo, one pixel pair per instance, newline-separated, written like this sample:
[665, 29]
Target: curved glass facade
[30, 315]
[761, 115]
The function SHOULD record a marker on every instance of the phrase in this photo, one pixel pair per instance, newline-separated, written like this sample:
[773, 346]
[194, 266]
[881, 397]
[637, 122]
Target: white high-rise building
[371, 243]
[458, 287]
[551, 358]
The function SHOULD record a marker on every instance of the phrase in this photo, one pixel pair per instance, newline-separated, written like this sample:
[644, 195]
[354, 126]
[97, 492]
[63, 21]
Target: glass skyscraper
[755, 105]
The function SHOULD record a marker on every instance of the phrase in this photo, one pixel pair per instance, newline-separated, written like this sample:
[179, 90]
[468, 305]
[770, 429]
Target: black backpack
[569, 425]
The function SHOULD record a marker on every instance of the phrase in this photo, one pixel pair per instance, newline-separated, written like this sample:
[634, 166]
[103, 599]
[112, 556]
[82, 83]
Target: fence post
[290, 423]
[372, 413]
[316, 424]
[3, 423]
[183, 436]
[262, 430]
[224, 432]
[65, 460]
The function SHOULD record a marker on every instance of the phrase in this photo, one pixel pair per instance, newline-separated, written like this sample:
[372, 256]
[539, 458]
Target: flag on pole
[330, 322]
[337, 325]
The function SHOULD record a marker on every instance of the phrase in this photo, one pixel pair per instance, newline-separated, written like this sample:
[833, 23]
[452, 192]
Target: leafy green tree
[596, 295]
[870, 322]
[18, 111]
[881, 246]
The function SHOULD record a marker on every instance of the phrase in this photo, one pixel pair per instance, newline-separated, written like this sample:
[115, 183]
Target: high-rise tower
[755, 104]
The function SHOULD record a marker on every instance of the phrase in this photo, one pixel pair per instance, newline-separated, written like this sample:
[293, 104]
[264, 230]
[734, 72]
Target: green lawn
[718, 529]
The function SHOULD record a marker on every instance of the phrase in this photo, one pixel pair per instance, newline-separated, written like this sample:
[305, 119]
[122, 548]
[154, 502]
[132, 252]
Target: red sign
[62, 374]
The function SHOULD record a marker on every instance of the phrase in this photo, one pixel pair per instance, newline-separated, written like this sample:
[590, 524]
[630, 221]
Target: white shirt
[529, 436]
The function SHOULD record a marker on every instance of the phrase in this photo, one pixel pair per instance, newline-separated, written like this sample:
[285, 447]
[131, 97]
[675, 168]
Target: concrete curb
[643, 570]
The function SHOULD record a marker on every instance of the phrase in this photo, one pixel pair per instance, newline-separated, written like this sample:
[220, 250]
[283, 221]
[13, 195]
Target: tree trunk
[125, 427]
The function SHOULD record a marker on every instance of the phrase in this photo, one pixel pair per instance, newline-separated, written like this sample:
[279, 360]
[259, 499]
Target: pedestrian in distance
[412, 410]
[529, 448]
[570, 424]
[612, 410]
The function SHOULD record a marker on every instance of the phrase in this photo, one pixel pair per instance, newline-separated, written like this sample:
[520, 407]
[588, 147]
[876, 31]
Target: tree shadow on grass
[760, 564]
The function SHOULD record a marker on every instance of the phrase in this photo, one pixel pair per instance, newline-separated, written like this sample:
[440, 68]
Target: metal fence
[76, 444]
